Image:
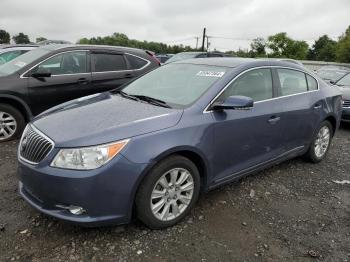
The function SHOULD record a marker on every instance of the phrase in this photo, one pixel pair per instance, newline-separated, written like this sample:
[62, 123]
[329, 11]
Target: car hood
[103, 118]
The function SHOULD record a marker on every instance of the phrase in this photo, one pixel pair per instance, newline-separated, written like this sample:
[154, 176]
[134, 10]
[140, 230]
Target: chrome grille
[346, 103]
[34, 146]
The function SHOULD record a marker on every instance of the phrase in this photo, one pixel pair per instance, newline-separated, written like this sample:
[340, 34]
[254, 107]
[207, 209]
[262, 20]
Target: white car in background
[10, 52]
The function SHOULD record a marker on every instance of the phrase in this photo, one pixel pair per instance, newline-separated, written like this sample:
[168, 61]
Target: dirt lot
[291, 212]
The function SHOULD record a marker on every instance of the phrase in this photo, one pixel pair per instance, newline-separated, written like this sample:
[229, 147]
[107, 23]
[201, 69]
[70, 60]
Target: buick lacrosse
[149, 148]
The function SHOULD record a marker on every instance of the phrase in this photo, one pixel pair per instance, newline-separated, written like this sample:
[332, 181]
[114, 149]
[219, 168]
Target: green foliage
[40, 39]
[283, 46]
[118, 39]
[343, 47]
[4, 37]
[324, 49]
[258, 47]
[21, 39]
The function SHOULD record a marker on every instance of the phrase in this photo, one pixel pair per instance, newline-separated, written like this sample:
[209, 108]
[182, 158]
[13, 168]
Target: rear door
[109, 70]
[70, 78]
[300, 104]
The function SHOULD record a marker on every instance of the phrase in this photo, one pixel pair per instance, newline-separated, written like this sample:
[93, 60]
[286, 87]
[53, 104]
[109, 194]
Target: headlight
[87, 158]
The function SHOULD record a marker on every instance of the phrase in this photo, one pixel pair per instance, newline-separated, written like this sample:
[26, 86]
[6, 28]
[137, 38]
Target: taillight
[151, 54]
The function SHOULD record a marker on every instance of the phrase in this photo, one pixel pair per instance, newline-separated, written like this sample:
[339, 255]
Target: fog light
[76, 210]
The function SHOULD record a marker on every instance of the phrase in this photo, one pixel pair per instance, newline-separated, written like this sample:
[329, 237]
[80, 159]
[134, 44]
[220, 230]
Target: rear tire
[12, 123]
[320, 143]
[168, 192]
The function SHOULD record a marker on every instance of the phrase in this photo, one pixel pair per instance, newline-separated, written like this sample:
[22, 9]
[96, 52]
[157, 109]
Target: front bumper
[345, 114]
[106, 193]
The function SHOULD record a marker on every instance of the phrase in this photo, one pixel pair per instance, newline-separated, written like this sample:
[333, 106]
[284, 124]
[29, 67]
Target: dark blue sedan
[150, 148]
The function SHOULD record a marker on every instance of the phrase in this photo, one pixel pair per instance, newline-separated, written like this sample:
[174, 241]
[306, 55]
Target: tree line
[20, 38]
[279, 45]
[282, 46]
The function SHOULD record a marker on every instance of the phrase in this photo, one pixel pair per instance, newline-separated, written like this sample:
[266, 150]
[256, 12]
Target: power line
[182, 40]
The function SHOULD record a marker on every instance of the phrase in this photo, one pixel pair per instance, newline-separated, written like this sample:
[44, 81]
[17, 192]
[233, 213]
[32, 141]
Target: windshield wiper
[152, 100]
[123, 94]
[147, 99]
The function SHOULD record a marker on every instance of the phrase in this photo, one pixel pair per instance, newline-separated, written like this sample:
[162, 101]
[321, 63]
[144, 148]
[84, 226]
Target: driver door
[246, 138]
[70, 79]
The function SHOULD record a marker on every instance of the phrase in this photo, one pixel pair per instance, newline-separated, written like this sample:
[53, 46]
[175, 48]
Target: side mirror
[234, 102]
[41, 73]
[332, 82]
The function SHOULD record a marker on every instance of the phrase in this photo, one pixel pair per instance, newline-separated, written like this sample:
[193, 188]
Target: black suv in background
[51, 75]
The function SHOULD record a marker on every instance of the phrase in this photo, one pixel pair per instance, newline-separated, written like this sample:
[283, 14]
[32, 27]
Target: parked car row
[332, 74]
[344, 86]
[164, 57]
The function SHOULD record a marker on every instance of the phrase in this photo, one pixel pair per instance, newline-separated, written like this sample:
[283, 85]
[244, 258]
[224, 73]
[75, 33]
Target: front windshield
[21, 61]
[179, 85]
[345, 81]
[182, 56]
[332, 75]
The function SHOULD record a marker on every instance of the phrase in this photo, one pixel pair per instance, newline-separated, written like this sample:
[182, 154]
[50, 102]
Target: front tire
[168, 192]
[320, 143]
[12, 123]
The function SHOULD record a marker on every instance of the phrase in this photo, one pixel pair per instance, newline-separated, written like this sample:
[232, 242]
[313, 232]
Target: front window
[65, 63]
[256, 84]
[179, 85]
[345, 81]
[21, 61]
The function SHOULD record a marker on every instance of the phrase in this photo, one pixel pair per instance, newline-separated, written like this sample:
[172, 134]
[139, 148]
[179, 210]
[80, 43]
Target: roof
[20, 45]
[237, 61]
[73, 46]
[218, 61]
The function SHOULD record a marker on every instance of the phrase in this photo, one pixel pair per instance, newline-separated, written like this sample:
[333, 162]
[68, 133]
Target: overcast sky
[176, 21]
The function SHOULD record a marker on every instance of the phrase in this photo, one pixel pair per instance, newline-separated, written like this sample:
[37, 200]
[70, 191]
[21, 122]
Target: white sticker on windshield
[20, 64]
[210, 73]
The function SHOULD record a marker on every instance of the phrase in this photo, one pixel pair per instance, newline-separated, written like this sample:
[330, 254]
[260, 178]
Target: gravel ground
[290, 212]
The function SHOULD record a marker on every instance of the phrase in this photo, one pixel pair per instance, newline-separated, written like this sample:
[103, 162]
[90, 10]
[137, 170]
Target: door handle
[128, 75]
[82, 81]
[317, 106]
[274, 119]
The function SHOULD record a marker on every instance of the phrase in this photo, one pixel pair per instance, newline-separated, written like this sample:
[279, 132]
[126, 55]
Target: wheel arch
[18, 103]
[191, 153]
[333, 120]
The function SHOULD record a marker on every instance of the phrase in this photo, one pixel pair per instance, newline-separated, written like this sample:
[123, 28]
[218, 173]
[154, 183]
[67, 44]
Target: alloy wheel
[8, 125]
[172, 194]
[322, 141]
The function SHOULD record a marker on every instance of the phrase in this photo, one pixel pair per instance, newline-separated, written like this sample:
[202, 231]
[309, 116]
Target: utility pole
[197, 39]
[204, 35]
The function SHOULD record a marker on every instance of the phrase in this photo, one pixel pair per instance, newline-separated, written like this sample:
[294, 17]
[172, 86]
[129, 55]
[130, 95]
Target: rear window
[311, 82]
[108, 62]
[291, 82]
[136, 62]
